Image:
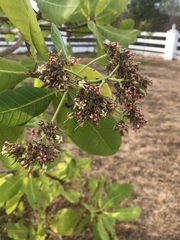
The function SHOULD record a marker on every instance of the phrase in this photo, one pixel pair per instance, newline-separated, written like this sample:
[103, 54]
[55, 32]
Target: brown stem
[12, 48]
[64, 28]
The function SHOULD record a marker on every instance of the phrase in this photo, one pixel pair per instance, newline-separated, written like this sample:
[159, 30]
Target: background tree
[172, 9]
[147, 14]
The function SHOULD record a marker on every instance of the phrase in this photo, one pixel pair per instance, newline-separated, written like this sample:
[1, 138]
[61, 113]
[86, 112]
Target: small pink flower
[94, 117]
[73, 61]
[42, 157]
[97, 89]
[52, 60]
[34, 131]
[128, 93]
[87, 87]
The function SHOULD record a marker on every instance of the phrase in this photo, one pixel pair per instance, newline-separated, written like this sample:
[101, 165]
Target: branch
[7, 171]
[12, 48]
[9, 30]
[48, 27]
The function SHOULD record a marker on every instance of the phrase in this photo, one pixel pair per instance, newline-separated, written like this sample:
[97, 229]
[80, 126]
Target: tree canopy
[147, 14]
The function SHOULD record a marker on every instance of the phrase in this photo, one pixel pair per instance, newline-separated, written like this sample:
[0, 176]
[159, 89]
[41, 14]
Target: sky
[34, 4]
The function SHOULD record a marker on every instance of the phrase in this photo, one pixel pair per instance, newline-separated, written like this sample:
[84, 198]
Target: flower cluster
[41, 151]
[53, 73]
[131, 88]
[89, 104]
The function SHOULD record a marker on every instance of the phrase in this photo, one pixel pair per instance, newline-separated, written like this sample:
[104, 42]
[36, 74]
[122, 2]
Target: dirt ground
[150, 158]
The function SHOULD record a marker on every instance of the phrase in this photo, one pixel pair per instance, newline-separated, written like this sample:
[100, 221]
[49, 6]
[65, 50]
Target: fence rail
[158, 44]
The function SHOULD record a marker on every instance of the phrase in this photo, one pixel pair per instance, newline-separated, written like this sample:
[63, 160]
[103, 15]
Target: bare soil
[150, 158]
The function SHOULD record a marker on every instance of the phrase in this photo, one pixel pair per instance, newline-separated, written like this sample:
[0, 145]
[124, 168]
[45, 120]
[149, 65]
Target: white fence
[158, 44]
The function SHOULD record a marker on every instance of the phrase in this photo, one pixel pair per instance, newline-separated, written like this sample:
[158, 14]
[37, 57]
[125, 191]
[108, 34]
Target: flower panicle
[42, 151]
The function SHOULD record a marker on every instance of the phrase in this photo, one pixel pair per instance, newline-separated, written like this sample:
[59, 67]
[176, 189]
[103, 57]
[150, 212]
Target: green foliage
[125, 37]
[63, 200]
[21, 14]
[11, 73]
[58, 11]
[147, 15]
[58, 41]
[27, 103]
[10, 134]
[40, 194]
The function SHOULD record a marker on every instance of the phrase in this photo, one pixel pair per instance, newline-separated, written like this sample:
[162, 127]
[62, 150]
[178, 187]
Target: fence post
[171, 43]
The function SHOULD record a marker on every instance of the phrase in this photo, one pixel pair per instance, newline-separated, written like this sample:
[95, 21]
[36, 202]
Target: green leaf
[20, 105]
[9, 38]
[99, 140]
[65, 221]
[77, 17]
[71, 195]
[11, 73]
[93, 185]
[124, 214]
[58, 11]
[91, 209]
[100, 190]
[27, 24]
[10, 134]
[96, 232]
[71, 169]
[84, 163]
[126, 24]
[10, 188]
[49, 196]
[109, 225]
[34, 195]
[12, 203]
[28, 63]
[58, 41]
[17, 231]
[92, 27]
[41, 230]
[7, 163]
[124, 37]
[107, 11]
[116, 193]
[82, 225]
[85, 8]
[101, 229]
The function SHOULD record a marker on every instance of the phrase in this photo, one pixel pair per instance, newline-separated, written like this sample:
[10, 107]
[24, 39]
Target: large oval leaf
[11, 73]
[124, 37]
[97, 34]
[99, 140]
[20, 105]
[10, 134]
[58, 11]
[87, 8]
[108, 10]
[58, 41]
[27, 24]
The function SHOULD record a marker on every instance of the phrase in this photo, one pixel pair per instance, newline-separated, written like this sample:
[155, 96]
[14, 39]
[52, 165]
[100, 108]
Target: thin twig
[9, 30]
[7, 171]
[12, 48]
